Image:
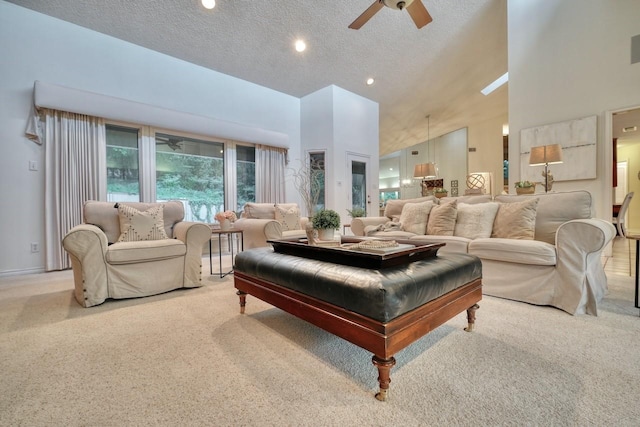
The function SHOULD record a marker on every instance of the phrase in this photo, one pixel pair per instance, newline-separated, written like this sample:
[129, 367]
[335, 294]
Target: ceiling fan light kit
[397, 4]
[416, 9]
[209, 4]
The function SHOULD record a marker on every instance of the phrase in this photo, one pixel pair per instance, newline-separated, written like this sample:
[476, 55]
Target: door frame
[366, 159]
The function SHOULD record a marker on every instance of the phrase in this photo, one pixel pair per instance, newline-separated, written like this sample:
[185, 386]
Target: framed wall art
[578, 139]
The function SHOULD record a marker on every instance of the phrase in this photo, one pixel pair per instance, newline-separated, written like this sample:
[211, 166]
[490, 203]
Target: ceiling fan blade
[366, 15]
[419, 13]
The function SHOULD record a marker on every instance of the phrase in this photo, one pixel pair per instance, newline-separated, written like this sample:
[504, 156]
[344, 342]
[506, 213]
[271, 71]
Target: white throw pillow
[288, 217]
[475, 221]
[414, 217]
[136, 225]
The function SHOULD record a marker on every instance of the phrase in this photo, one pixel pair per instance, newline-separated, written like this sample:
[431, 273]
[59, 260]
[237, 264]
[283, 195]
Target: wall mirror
[449, 152]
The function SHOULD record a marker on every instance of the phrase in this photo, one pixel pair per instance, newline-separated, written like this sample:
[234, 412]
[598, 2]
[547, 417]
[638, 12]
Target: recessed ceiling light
[496, 84]
[209, 4]
[300, 45]
[370, 81]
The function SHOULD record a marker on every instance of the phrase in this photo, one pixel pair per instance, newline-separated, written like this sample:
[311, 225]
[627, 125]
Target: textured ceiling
[436, 71]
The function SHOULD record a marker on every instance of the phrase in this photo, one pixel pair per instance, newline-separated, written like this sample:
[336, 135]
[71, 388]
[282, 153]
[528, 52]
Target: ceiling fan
[416, 10]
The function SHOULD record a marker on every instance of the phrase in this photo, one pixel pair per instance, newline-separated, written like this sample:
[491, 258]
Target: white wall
[37, 47]
[450, 152]
[486, 138]
[356, 131]
[570, 59]
[341, 122]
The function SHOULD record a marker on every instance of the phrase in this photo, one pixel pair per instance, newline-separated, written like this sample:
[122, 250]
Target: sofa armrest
[194, 235]
[358, 224]
[256, 232]
[579, 245]
[87, 246]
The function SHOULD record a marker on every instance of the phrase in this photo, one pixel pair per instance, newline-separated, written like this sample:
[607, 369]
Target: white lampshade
[424, 170]
[545, 155]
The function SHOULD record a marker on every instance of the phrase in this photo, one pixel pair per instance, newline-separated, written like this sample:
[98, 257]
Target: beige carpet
[189, 358]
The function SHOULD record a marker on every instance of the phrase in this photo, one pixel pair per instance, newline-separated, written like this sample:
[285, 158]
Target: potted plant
[440, 192]
[525, 187]
[326, 221]
[357, 212]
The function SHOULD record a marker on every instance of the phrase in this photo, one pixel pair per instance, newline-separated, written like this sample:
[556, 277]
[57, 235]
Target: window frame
[147, 160]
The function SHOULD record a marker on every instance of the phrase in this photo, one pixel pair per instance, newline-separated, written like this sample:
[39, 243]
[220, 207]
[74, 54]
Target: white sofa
[260, 222]
[104, 267]
[559, 264]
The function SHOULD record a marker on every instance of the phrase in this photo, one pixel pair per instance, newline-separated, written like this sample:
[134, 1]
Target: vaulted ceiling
[438, 70]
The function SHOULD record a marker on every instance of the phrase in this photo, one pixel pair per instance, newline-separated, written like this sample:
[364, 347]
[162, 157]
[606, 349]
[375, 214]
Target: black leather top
[378, 294]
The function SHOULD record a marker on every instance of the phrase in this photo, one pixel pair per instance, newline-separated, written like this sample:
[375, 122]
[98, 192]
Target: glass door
[360, 198]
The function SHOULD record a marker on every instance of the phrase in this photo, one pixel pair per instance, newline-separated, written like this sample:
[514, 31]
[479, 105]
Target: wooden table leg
[384, 367]
[471, 317]
[243, 300]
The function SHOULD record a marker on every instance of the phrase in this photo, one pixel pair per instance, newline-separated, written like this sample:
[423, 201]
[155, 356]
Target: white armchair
[267, 221]
[104, 267]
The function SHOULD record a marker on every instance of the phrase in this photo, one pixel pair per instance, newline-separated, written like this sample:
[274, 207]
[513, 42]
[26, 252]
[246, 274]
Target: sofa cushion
[259, 210]
[516, 220]
[471, 200]
[149, 250]
[263, 210]
[414, 217]
[475, 220]
[104, 215]
[289, 218]
[442, 219]
[530, 252]
[395, 234]
[452, 243]
[554, 209]
[393, 208]
[138, 225]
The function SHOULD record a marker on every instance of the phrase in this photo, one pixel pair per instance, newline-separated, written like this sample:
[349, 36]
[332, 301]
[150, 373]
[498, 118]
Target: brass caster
[470, 327]
[381, 395]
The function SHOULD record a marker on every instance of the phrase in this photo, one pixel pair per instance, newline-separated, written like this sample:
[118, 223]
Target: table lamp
[545, 155]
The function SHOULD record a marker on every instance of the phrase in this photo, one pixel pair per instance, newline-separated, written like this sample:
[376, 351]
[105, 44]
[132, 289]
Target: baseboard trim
[9, 273]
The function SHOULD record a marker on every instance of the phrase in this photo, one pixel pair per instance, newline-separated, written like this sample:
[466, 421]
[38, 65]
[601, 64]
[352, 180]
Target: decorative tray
[407, 251]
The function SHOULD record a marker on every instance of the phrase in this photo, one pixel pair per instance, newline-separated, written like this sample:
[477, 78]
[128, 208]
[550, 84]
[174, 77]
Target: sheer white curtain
[75, 171]
[271, 163]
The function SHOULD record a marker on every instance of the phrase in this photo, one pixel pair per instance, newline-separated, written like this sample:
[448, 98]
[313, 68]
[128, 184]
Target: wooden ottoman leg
[384, 367]
[471, 317]
[243, 300]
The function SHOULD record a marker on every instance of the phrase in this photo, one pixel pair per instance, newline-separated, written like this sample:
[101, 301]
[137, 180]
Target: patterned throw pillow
[136, 225]
[516, 220]
[414, 217]
[288, 218]
[442, 219]
[475, 221]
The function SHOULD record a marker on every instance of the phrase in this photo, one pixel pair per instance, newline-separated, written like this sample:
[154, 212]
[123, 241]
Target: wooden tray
[344, 256]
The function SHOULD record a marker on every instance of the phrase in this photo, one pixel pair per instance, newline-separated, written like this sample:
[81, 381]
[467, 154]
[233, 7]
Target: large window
[191, 170]
[145, 165]
[123, 181]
